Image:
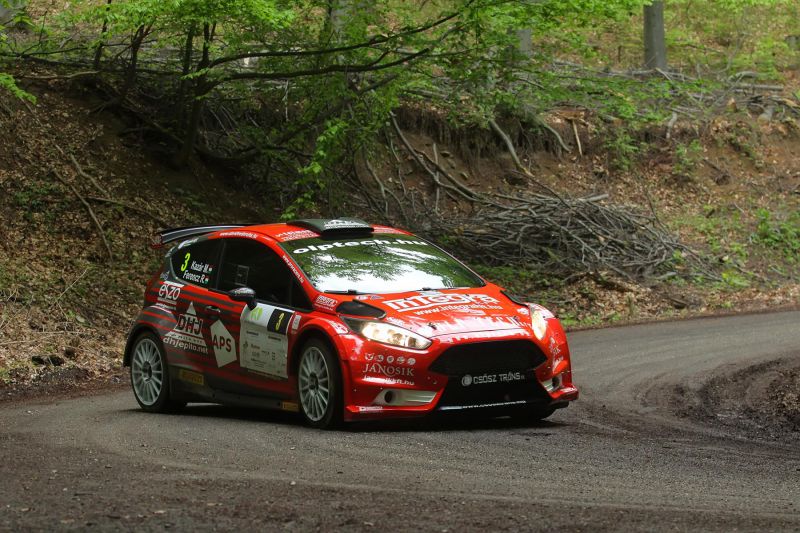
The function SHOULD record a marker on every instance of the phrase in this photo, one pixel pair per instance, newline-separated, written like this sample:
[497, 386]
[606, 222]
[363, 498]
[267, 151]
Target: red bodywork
[186, 318]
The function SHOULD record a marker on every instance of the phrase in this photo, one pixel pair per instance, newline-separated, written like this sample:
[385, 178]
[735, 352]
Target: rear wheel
[319, 385]
[150, 375]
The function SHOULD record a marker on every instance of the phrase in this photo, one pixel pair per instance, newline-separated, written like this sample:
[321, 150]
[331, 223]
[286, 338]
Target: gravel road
[618, 459]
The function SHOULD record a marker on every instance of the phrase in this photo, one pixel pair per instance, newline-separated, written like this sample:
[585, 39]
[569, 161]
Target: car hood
[436, 313]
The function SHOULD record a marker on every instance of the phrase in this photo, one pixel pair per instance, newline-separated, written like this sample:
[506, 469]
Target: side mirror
[244, 294]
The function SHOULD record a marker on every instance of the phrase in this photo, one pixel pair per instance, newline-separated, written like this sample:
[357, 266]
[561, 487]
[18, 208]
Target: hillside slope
[67, 298]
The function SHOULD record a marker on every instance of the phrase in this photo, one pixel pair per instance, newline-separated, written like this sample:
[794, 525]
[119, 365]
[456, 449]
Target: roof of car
[281, 232]
[309, 228]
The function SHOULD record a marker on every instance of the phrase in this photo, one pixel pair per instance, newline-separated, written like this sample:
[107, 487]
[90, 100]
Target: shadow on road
[450, 422]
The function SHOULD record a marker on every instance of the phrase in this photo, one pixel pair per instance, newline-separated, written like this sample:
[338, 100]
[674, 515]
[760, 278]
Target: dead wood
[89, 210]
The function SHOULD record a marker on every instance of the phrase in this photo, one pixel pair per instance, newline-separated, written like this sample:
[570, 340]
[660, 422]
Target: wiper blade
[348, 291]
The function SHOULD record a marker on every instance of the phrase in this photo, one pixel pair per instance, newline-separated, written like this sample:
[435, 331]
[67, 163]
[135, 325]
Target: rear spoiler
[175, 234]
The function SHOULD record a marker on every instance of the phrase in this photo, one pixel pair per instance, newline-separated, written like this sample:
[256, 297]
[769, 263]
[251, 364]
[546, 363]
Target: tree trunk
[186, 67]
[10, 9]
[655, 46]
[201, 88]
[98, 52]
[133, 64]
[525, 43]
[338, 12]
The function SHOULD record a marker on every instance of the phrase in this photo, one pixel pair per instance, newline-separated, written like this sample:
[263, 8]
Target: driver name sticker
[264, 345]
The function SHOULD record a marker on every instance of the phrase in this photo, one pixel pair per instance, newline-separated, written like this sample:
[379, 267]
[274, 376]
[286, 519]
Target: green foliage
[687, 157]
[7, 83]
[782, 235]
[622, 148]
[734, 280]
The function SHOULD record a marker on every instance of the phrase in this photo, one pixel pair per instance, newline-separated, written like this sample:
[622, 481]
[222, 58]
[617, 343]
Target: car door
[263, 333]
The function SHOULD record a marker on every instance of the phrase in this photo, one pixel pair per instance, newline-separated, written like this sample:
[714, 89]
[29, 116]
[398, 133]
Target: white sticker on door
[263, 344]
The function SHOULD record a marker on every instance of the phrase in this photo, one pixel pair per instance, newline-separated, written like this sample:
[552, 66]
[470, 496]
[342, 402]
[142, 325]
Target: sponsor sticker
[187, 334]
[237, 233]
[387, 370]
[187, 242]
[293, 268]
[369, 297]
[343, 244]
[296, 322]
[444, 302]
[369, 408]
[263, 343]
[290, 406]
[295, 235]
[223, 344]
[191, 377]
[168, 293]
[503, 377]
[325, 302]
[554, 349]
[386, 230]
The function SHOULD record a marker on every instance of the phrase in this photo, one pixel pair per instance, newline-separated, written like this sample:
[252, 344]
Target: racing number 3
[279, 321]
[185, 264]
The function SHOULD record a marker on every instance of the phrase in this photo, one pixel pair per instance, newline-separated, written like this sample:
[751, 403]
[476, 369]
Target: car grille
[491, 373]
[492, 356]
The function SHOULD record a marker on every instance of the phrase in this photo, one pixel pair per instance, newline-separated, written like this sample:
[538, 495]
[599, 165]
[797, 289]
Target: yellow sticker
[191, 377]
[290, 406]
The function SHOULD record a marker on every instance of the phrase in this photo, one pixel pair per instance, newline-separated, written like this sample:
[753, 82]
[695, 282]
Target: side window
[198, 263]
[248, 263]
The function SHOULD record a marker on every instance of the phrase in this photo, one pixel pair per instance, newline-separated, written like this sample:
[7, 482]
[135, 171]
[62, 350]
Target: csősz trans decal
[483, 379]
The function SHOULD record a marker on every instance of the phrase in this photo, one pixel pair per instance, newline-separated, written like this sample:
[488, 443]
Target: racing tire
[150, 376]
[319, 385]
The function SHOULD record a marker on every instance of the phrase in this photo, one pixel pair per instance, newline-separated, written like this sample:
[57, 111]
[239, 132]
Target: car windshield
[378, 264]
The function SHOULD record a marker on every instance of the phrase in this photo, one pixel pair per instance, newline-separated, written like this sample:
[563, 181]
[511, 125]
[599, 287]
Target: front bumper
[484, 372]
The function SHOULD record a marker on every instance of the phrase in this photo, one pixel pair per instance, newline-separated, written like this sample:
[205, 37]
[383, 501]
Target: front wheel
[150, 376]
[319, 385]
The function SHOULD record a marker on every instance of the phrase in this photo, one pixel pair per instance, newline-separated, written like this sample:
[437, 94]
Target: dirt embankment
[760, 401]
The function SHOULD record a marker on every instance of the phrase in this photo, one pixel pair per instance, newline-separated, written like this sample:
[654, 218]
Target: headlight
[388, 334]
[538, 322]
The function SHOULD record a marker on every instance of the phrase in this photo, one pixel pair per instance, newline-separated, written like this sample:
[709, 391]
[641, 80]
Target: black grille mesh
[490, 356]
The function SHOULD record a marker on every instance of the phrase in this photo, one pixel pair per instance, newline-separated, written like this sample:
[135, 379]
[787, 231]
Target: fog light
[404, 397]
[553, 384]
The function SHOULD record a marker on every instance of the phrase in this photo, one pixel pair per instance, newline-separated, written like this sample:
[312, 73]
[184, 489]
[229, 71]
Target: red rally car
[339, 320]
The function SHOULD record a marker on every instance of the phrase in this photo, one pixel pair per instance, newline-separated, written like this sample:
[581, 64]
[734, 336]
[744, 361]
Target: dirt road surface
[616, 460]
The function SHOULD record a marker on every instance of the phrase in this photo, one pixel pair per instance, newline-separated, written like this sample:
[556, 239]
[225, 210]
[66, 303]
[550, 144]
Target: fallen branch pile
[567, 236]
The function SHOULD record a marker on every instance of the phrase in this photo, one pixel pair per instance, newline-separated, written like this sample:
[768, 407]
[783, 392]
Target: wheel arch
[137, 330]
[311, 332]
